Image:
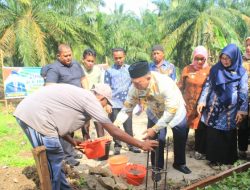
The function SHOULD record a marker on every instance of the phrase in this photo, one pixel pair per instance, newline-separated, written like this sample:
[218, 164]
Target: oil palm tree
[122, 29]
[244, 7]
[203, 22]
[30, 31]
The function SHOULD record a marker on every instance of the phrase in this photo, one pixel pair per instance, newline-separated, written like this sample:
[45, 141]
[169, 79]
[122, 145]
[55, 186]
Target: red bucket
[135, 174]
[94, 149]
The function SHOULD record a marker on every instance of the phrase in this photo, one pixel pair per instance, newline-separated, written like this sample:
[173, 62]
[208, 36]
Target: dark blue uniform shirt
[59, 73]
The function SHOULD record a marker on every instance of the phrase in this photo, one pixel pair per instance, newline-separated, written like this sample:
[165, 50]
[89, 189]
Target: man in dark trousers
[165, 107]
[65, 70]
[54, 111]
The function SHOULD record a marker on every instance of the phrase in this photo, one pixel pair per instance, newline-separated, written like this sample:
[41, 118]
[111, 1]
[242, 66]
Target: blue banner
[21, 81]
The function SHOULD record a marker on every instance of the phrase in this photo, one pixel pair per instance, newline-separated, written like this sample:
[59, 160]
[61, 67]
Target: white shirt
[162, 98]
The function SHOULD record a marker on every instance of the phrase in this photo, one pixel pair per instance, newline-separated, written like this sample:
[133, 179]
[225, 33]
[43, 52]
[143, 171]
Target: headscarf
[246, 56]
[222, 77]
[199, 50]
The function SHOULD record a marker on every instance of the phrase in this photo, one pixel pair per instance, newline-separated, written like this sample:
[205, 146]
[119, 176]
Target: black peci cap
[138, 69]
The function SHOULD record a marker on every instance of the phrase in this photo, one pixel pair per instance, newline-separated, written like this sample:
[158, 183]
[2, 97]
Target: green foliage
[204, 22]
[15, 149]
[239, 162]
[30, 30]
[81, 182]
[236, 181]
[123, 30]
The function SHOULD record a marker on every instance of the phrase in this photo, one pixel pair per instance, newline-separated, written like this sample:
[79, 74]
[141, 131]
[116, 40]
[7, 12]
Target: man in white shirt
[93, 74]
[164, 106]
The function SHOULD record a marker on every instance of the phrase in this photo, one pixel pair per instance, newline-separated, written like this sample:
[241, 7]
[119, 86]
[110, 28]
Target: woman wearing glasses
[224, 101]
[192, 79]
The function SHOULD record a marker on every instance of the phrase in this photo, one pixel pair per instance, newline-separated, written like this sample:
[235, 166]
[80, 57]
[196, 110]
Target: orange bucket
[94, 149]
[117, 164]
[135, 174]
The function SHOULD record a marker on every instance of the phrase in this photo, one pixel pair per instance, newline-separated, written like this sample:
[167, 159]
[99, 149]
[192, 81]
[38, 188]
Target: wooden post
[1, 61]
[40, 157]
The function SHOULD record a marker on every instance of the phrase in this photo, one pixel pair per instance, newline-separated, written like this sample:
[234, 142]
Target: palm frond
[7, 41]
[40, 47]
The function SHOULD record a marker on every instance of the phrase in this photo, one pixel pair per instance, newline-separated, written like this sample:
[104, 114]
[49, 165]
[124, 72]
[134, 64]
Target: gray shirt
[59, 73]
[59, 109]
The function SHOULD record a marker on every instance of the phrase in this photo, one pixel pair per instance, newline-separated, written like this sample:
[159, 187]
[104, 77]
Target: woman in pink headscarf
[192, 79]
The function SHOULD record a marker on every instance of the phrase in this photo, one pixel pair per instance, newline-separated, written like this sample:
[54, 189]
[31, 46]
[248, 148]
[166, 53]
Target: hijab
[199, 50]
[223, 77]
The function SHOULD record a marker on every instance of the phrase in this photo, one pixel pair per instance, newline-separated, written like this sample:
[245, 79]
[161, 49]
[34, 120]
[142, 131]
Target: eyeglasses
[225, 58]
[199, 59]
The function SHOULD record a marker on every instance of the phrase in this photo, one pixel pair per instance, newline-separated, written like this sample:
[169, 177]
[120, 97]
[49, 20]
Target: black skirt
[221, 146]
[200, 138]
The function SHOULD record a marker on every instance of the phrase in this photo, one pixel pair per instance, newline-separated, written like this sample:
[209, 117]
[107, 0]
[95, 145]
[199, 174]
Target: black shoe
[134, 149]
[72, 162]
[78, 156]
[156, 175]
[182, 168]
[117, 150]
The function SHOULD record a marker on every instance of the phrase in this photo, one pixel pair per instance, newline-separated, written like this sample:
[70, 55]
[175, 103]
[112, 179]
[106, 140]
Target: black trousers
[180, 133]
[127, 125]
[243, 135]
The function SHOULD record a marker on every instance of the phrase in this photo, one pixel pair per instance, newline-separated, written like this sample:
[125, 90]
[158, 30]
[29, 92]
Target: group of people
[212, 100]
[217, 104]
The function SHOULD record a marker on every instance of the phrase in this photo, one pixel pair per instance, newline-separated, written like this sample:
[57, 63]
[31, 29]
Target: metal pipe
[166, 166]
[147, 170]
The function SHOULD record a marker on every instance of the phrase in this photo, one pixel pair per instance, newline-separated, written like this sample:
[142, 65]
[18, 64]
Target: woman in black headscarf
[224, 103]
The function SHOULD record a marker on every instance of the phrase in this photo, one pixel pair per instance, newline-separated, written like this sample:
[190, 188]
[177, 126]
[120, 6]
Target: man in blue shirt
[117, 77]
[160, 65]
[65, 70]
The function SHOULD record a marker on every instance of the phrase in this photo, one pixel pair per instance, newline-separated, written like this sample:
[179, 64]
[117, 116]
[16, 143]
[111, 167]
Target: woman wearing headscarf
[192, 79]
[224, 103]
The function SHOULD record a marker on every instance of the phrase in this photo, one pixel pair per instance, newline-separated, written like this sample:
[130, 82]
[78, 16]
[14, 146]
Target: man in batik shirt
[165, 107]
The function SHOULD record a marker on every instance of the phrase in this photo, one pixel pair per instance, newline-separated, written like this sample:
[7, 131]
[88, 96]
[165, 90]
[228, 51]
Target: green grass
[15, 149]
[235, 182]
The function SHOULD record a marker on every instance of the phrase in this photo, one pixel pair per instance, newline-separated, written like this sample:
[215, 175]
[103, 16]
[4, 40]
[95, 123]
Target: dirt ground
[13, 178]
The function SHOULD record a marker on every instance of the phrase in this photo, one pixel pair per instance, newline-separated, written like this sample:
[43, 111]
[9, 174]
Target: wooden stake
[1, 61]
[40, 157]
